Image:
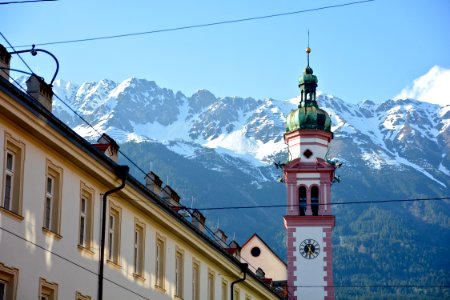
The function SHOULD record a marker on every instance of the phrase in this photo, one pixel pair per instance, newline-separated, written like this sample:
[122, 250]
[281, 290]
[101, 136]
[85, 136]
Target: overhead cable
[197, 25]
[25, 1]
[331, 203]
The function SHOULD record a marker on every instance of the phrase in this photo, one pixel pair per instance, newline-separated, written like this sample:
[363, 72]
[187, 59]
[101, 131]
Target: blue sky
[363, 51]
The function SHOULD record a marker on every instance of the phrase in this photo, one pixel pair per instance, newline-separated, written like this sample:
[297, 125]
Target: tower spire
[307, 83]
[308, 50]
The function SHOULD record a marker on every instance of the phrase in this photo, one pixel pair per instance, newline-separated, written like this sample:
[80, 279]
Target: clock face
[309, 249]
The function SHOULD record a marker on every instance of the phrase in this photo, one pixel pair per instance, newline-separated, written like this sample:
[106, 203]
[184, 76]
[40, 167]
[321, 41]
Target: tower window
[302, 200]
[255, 251]
[307, 153]
[315, 201]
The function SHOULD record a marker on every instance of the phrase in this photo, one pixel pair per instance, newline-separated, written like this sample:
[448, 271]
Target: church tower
[308, 177]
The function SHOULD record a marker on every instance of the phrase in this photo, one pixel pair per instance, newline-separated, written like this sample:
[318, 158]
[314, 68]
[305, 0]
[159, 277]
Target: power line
[250, 206]
[199, 25]
[11, 46]
[25, 1]
[331, 203]
[77, 114]
[444, 286]
[70, 261]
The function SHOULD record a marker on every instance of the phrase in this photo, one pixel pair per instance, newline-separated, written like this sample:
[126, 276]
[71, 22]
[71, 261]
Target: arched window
[315, 201]
[302, 200]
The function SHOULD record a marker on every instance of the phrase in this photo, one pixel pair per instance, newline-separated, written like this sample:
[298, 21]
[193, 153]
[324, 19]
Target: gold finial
[308, 50]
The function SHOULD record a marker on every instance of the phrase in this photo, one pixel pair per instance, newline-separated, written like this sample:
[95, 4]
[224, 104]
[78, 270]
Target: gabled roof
[256, 236]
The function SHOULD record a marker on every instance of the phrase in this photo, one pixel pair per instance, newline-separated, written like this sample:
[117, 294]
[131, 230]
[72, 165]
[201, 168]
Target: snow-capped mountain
[219, 151]
[397, 133]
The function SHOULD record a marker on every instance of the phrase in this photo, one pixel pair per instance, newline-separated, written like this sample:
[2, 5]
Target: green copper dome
[308, 115]
[307, 77]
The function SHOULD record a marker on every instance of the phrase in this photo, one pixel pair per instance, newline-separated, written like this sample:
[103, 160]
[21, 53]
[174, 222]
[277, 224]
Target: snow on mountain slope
[405, 133]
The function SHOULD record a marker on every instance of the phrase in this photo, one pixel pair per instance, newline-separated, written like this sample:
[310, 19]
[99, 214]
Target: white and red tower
[308, 177]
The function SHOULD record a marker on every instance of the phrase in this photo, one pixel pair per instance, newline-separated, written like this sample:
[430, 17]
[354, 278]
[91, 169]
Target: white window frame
[9, 277]
[83, 222]
[47, 290]
[49, 194]
[195, 280]
[85, 228]
[80, 296]
[211, 285]
[237, 294]
[139, 249]
[224, 290]
[52, 199]
[9, 173]
[114, 234]
[160, 253]
[11, 200]
[179, 273]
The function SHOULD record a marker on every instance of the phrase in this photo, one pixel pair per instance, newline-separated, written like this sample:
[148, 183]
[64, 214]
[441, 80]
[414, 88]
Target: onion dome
[308, 115]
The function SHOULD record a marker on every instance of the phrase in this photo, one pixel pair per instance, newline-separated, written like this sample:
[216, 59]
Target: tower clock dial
[309, 248]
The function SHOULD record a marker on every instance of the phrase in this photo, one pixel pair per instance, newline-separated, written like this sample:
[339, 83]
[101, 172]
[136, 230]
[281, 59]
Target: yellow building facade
[54, 185]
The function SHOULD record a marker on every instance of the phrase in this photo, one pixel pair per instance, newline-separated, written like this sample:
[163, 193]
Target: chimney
[198, 220]
[153, 183]
[40, 91]
[108, 146]
[222, 237]
[260, 273]
[234, 249]
[5, 59]
[170, 196]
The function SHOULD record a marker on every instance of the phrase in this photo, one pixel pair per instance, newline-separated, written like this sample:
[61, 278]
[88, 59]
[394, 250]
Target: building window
[80, 296]
[302, 200]
[114, 234]
[255, 252]
[224, 290]
[52, 204]
[138, 248]
[179, 270]
[47, 290]
[13, 175]
[8, 282]
[160, 262]
[86, 213]
[196, 281]
[315, 201]
[211, 282]
[236, 294]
